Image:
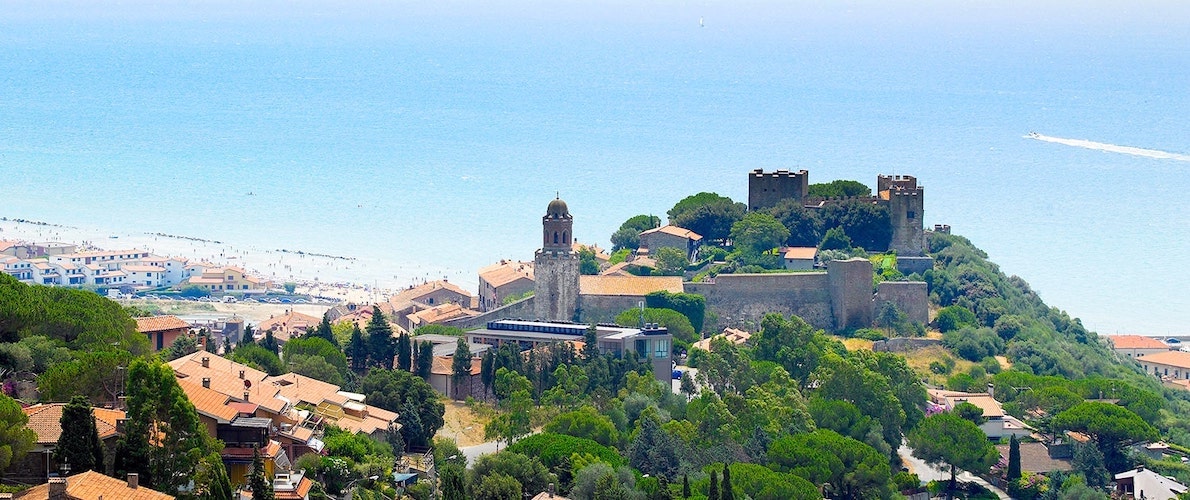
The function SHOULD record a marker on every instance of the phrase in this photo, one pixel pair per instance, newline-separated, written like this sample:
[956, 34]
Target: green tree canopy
[529, 472]
[258, 357]
[670, 262]
[947, 438]
[553, 449]
[835, 239]
[852, 468]
[866, 223]
[804, 224]
[585, 423]
[1110, 425]
[677, 323]
[691, 305]
[707, 214]
[158, 407]
[15, 439]
[758, 233]
[81, 319]
[391, 389]
[382, 347]
[839, 188]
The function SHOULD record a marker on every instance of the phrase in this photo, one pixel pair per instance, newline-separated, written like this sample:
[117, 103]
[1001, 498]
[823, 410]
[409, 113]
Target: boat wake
[1111, 148]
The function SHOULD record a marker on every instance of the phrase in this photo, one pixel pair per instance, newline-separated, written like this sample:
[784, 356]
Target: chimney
[206, 362]
[206, 382]
[245, 396]
[241, 374]
[551, 490]
[992, 390]
[57, 488]
[133, 480]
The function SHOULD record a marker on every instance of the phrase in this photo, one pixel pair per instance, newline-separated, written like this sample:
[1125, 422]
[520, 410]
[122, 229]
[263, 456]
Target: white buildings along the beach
[62, 265]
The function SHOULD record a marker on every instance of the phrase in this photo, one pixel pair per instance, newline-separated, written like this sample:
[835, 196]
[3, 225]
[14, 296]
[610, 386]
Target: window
[911, 215]
[555, 238]
[661, 350]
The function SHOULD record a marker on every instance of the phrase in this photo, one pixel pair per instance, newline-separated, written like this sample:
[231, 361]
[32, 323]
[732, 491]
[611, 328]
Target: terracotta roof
[444, 312]
[1035, 457]
[208, 402]
[289, 324]
[92, 485]
[1136, 342]
[732, 335]
[422, 290]
[301, 492]
[5, 245]
[45, 420]
[674, 231]
[160, 323]
[801, 253]
[225, 378]
[506, 272]
[1171, 358]
[444, 365]
[617, 269]
[991, 408]
[628, 285]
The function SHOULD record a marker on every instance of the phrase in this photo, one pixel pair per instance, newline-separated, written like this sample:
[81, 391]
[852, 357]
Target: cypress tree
[324, 331]
[404, 353]
[1014, 458]
[461, 366]
[685, 486]
[713, 491]
[727, 492]
[425, 359]
[381, 346]
[262, 488]
[357, 349]
[79, 443]
[590, 344]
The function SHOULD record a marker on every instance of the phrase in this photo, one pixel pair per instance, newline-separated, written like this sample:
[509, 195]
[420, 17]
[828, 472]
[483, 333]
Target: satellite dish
[247, 384]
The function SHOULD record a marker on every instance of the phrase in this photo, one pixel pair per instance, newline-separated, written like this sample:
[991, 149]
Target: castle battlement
[767, 189]
[907, 192]
[781, 172]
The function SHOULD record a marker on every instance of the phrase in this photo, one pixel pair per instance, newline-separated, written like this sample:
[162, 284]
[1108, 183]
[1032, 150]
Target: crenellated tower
[767, 189]
[556, 266]
[906, 207]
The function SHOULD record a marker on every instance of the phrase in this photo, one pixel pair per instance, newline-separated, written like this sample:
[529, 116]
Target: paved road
[473, 452]
[927, 472]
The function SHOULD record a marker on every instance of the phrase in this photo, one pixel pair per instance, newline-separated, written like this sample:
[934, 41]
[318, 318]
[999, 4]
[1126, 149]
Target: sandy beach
[334, 276]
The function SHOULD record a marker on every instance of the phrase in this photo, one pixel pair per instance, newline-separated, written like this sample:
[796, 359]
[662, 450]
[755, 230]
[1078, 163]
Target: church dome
[557, 208]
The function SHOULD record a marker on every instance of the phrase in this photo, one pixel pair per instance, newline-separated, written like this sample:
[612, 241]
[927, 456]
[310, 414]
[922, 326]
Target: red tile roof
[160, 323]
[1136, 342]
[92, 485]
[45, 420]
[1170, 358]
[674, 231]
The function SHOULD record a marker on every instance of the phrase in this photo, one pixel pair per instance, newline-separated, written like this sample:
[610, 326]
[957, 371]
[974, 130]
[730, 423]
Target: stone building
[507, 278]
[906, 208]
[767, 189]
[556, 266]
[670, 236]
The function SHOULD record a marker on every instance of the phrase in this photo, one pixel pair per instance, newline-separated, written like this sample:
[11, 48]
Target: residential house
[1142, 483]
[176, 270]
[91, 485]
[432, 294]
[442, 378]
[1166, 365]
[998, 424]
[289, 325]
[651, 342]
[732, 335]
[18, 268]
[146, 276]
[162, 330]
[1135, 346]
[504, 279]
[293, 402]
[799, 258]
[438, 314]
[45, 421]
[670, 236]
[226, 279]
[235, 424]
[1036, 458]
[111, 260]
[45, 273]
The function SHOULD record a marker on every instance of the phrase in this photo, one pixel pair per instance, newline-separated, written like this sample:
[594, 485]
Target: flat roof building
[652, 342]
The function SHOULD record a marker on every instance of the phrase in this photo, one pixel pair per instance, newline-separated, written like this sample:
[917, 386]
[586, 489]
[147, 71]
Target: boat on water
[1034, 135]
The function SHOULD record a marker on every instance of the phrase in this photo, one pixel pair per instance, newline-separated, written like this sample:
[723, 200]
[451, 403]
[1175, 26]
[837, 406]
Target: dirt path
[463, 425]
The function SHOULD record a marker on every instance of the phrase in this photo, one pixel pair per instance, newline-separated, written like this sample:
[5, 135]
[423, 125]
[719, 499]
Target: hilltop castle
[902, 196]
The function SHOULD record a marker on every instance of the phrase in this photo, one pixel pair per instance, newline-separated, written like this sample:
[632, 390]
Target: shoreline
[317, 274]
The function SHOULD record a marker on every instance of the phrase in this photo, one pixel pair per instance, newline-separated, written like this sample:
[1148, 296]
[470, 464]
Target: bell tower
[556, 266]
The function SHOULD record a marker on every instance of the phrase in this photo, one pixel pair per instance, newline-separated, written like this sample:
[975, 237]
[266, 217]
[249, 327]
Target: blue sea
[431, 135]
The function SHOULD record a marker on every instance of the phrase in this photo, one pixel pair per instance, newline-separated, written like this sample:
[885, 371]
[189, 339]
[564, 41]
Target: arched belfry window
[555, 238]
[564, 238]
